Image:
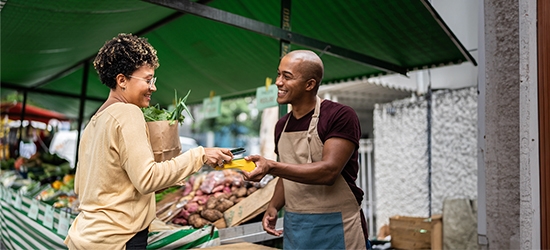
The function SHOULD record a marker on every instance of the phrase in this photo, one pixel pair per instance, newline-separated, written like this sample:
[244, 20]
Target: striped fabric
[184, 238]
[21, 231]
[27, 223]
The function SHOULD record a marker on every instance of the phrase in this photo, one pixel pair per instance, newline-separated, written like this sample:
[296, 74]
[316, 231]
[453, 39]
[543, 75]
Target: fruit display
[46, 177]
[60, 193]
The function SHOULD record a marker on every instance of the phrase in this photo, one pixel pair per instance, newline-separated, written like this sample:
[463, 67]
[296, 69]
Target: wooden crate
[416, 232]
[249, 207]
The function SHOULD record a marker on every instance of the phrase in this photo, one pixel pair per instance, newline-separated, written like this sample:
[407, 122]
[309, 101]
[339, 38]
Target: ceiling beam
[225, 17]
[48, 92]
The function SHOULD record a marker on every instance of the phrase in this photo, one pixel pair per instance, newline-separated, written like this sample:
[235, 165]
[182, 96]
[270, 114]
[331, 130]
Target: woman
[116, 176]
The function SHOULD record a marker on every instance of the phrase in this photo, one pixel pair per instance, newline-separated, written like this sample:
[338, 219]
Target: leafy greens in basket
[155, 113]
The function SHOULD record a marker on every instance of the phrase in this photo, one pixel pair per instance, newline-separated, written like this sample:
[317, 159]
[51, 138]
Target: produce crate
[416, 232]
[249, 207]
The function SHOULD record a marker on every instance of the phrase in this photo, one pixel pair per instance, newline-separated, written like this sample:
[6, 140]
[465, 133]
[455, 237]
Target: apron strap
[313, 126]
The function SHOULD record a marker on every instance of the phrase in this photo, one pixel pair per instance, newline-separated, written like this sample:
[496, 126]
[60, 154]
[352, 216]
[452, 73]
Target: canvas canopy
[14, 111]
[225, 47]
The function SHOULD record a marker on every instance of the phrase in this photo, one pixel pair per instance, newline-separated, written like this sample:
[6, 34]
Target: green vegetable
[155, 113]
[160, 195]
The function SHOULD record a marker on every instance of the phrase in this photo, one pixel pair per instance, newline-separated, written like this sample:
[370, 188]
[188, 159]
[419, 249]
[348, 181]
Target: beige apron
[317, 216]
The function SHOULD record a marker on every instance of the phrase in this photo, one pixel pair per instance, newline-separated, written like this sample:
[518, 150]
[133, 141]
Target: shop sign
[211, 107]
[266, 97]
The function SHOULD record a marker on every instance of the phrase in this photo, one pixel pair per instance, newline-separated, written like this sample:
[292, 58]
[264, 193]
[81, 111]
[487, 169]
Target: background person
[317, 144]
[116, 175]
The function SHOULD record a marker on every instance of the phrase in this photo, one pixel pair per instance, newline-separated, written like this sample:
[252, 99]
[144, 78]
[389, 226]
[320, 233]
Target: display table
[27, 223]
[241, 246]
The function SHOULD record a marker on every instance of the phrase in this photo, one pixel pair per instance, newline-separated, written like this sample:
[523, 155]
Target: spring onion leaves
[155, 113]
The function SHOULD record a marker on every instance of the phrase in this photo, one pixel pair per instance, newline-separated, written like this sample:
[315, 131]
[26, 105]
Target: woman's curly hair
[123, 54]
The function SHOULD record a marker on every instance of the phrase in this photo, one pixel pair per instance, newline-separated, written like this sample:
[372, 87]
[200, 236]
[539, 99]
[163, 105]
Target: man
[317, 145]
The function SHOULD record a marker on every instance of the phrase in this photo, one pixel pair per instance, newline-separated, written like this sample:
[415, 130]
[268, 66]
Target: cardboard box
[416, 232]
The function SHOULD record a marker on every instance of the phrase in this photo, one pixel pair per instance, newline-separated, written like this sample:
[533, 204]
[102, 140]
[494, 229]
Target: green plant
[155, 113]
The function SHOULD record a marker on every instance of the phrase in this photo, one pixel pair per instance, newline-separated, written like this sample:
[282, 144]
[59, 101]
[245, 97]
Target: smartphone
[238, 151]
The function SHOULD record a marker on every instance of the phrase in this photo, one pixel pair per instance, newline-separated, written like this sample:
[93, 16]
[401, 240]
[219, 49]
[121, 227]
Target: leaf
[155, 113]
[180, 107]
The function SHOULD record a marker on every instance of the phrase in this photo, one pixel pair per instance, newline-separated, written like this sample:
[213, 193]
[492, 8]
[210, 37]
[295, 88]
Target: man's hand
[262, 168]
[270, 220]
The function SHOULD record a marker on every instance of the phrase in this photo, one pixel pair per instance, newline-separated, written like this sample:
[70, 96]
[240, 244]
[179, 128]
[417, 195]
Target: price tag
[17, 202]
[33, 210]
[48, 217]
[63, 223]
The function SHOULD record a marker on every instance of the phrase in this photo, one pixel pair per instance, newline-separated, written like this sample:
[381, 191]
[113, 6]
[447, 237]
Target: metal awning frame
[277, 33]
[283, 34]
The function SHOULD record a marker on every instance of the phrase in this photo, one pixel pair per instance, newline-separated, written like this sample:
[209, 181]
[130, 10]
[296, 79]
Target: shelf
[252, 232]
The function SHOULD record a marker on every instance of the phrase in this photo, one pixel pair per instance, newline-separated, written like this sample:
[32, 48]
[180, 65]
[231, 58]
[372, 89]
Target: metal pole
[363, 176]
[86, 68]
[284, 45]
[21, 119]
[370, 188]
[429, 135]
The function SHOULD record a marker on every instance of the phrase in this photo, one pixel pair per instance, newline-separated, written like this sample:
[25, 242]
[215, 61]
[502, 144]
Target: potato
[211, 202]
[211, 214]
[197, 221]
[241, 192]
[224, 204]
[191, 207]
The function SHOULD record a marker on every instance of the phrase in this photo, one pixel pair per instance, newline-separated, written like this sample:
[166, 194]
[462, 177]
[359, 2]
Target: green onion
[155, 113]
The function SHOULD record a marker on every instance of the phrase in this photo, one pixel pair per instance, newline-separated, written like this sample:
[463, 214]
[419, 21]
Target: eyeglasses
[151, 81]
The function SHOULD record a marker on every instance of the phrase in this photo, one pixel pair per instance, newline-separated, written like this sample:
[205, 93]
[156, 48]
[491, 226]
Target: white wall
[401, 154]
[454, 146]
[400, 162]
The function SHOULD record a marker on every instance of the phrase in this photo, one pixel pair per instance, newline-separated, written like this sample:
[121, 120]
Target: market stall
[28, 223]
[56, 73]
[25, 127]
[18, 111]
[212, 208]
[39, 201]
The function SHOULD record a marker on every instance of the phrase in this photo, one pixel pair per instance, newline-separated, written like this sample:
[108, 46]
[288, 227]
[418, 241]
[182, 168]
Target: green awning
[46, 45]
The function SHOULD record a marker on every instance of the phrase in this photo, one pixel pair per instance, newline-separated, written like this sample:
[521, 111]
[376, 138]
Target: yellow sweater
[116, 178]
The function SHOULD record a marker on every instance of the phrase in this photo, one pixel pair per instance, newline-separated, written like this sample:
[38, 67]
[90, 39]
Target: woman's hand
[217, 156]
